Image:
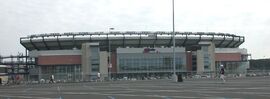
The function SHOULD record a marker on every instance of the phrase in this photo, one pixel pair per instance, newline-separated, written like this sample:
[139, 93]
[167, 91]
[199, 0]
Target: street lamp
[173, 34]
[110, 63]
[264, 62]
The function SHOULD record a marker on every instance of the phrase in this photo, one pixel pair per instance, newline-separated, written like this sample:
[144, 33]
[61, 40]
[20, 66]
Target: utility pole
[110, 63]
[173, 34]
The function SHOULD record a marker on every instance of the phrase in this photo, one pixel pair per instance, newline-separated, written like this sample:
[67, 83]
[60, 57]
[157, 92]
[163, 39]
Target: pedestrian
[12, 79]
[17, 79]
[222, 72]
[52, 79]
[0, 81]
[98, 76]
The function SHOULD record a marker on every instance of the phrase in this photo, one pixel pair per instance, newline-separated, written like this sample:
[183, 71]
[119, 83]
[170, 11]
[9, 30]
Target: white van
[3, 74]
[4, 79]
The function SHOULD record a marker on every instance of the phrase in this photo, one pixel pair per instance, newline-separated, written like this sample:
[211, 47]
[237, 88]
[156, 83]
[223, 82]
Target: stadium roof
[57, 41]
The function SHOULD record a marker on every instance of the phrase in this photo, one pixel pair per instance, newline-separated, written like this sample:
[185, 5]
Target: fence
[252, 73]
[69, 77]
[80, 77]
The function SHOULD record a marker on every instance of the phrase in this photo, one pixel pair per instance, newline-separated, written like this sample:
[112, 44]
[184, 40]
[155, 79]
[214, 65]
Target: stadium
[133, 54]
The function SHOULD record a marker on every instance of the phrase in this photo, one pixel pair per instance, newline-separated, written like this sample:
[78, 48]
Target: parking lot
[234, 88]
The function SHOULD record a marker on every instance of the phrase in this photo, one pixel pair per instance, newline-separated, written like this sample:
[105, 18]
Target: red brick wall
[189, 61]
[114, 62]
[59, 60]
[228, 56]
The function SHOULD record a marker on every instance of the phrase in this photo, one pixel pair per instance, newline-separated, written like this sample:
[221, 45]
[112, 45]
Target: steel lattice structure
[57, 41]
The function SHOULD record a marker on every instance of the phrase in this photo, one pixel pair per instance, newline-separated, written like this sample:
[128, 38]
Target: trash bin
[179, 78]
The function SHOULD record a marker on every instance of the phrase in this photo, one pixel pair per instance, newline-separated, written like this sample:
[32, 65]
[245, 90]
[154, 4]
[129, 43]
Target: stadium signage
[150, 50]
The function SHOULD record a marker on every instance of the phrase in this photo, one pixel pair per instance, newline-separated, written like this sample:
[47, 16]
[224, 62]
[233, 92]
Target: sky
[249, 18]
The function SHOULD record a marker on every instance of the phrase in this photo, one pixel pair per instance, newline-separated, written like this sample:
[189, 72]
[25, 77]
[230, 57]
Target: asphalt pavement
[233, 88]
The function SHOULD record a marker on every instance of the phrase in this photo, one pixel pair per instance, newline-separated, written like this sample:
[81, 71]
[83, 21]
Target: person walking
[0, 81]
[98, 76]
[222, 72]
[17, 79]
[52, 79]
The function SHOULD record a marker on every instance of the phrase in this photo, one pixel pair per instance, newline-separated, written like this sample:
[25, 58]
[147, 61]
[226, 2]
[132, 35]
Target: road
[240, 88]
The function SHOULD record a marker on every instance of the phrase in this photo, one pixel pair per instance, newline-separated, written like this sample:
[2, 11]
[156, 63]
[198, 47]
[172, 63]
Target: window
[204, 48]
[94, 59]
[135, 62]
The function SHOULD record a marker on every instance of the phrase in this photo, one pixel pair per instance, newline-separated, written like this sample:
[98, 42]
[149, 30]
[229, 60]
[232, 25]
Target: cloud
[248, 18]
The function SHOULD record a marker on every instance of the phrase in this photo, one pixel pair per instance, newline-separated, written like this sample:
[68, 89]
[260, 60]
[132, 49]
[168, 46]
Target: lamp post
[110, 63]
[265, 62]
[173, 34]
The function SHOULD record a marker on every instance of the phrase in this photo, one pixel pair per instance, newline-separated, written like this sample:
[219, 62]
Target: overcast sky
[249, 18]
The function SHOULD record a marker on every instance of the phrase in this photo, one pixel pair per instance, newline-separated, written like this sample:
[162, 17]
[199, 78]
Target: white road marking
[166, 97]
[27, 89]
[26, 97]
[111, 97]
[128, 95]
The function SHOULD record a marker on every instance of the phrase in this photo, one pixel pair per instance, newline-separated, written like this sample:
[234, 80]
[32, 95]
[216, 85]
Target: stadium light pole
[110, 63]
[264, 64]
[173, 34]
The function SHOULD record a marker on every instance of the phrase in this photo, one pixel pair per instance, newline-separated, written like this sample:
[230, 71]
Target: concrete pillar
[200, 63]
[206, 58]
[86, 60]
[103, 64]
[85, 57]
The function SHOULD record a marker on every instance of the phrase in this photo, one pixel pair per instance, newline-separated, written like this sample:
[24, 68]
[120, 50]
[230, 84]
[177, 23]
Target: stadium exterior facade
[81, 55]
